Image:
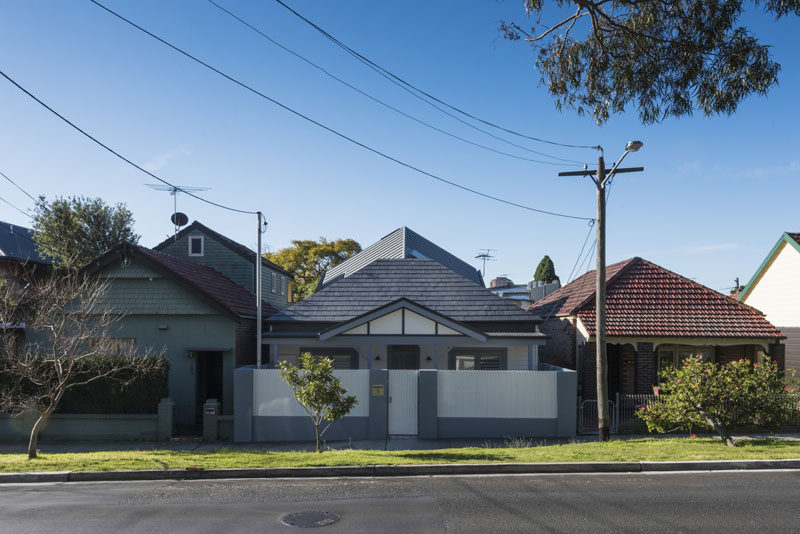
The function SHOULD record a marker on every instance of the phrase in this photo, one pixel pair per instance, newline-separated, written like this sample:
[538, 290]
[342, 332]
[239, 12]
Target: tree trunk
[37, 427]
[316, 431]
[721, 430]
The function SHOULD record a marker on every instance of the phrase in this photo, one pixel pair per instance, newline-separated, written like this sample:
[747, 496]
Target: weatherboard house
[775, 290]
[425, 347]
[654, 319]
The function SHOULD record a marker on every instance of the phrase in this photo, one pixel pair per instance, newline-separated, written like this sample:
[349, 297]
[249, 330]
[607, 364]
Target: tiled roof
[567, 299]
[16, 242]
[399, 244]
[238, 248]
[644, 299]
[205, 280]
[426, 282]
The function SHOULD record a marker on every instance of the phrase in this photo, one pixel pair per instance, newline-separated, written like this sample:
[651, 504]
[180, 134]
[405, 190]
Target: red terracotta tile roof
[644, 299]
[205, 280]
[566, 300]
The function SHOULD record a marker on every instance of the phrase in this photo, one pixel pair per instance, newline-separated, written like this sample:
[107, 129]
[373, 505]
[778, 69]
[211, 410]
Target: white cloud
[692, 250]
[164, 158]
[793, 167]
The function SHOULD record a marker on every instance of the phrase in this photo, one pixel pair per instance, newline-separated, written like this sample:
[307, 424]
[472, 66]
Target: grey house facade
[427, 351]
[200, 244]
[202, 321]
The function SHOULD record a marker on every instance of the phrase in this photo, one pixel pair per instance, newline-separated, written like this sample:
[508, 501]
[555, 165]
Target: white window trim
[274, 283]
[202, 245]
[283, 286]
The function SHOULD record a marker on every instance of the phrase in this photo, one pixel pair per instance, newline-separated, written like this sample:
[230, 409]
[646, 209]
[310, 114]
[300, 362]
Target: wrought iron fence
[587, 416]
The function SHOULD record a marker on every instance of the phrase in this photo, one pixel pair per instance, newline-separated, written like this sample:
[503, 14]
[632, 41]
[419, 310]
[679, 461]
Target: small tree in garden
[319, 392]
[721, 397]
[55, 336]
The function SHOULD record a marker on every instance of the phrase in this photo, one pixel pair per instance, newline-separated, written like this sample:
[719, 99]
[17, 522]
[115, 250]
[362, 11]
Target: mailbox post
[210, 412]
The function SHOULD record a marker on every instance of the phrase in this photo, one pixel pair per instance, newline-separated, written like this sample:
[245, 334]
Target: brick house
[655, 318]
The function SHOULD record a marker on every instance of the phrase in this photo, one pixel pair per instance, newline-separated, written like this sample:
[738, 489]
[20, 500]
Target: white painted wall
[272, 397]
[777, 293]
[510, 394]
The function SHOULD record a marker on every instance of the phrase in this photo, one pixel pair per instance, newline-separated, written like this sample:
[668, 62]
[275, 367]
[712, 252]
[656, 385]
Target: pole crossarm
[593, 172]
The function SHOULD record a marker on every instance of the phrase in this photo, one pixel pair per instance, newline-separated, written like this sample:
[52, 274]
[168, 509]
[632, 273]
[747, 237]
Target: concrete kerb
[397, 470]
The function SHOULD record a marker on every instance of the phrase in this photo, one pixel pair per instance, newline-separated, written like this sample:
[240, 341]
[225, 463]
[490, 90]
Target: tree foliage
[545, 271]
[721, 397]
[307, 260]
[57, 335]
[73, 231]
[319, 392]
[664, 58]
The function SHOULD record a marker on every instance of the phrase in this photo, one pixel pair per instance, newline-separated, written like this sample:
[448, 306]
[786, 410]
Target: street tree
[721, 397]
[73, 231]
[545, 271]
[307, 260]
[318, 391]
[55, 336]
[665, 59]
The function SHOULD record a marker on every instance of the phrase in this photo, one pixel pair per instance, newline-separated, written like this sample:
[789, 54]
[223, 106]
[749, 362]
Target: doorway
[402, 357]
[209, 380]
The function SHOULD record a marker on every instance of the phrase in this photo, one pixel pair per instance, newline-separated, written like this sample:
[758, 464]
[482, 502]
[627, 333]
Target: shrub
[110, 396]
[701, 394]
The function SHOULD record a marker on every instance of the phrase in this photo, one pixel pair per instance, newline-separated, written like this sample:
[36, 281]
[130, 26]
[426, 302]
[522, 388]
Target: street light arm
[613, 170]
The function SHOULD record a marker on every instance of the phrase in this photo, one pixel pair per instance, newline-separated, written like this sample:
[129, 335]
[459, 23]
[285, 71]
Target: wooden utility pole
[601, 180]
[603, 428]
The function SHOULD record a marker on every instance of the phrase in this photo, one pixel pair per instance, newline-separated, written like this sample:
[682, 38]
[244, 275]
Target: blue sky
[715, 195]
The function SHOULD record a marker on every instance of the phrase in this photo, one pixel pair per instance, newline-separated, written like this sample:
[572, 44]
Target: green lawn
[646, 449]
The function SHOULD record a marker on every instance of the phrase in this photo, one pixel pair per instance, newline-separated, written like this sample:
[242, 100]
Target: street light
[601, 181]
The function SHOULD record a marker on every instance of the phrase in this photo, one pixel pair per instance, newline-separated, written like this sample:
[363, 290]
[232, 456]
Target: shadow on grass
[455, 457]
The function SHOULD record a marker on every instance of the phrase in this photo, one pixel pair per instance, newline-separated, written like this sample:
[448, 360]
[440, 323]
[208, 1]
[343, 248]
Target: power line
[120, 156]
[15, 184]
[328, 128]
[26, 214]
[385, 104]
[415, 88]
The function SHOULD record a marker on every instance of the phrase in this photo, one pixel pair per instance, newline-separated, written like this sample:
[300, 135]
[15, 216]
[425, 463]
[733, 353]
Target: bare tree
[56, 336]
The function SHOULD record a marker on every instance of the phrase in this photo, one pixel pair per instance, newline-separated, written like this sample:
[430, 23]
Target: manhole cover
[309, 519]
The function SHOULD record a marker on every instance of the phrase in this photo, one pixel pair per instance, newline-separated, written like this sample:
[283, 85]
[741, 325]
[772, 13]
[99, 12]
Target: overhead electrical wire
[319, 124]
[385, 104]
[411, 86]
[15, 184]
[16, 208]
[120, 156]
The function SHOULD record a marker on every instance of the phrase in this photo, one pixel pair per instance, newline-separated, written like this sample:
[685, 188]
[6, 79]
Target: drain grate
[309, 519]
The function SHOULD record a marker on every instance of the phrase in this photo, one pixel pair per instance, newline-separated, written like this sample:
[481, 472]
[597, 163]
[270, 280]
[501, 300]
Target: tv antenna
[178, 219]
[486, 255]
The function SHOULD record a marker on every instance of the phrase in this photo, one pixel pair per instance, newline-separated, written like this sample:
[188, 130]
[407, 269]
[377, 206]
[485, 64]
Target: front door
[209, 380]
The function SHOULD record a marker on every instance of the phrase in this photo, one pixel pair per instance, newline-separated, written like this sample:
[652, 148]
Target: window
[343, 357]
[483, 359]
[112, 346]
[674, 355]
[274, 283]
[196, 245]
[284, 283]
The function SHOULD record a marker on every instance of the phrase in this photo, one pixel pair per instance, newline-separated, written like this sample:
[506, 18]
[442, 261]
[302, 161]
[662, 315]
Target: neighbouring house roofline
[396, 305]
[210, 285]
[792, 239]
[238, 248]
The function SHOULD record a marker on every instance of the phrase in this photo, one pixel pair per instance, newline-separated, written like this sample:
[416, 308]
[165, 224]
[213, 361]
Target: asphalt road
[763, 501]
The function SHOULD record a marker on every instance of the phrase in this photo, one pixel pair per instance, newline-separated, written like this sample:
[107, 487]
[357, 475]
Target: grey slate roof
[402, 243]
[16, 242]
[426, 282]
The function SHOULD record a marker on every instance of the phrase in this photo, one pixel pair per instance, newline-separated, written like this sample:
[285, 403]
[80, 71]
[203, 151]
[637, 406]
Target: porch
[634, 365]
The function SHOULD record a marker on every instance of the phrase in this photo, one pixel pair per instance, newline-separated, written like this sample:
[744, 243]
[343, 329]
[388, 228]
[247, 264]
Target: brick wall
[589, 370]
[777, 351]
[645, 374]
[560, 348]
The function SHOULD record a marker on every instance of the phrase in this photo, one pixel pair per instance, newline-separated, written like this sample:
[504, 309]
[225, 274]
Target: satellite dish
[179, 219]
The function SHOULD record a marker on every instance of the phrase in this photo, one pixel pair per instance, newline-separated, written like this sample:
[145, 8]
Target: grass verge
[646, 449]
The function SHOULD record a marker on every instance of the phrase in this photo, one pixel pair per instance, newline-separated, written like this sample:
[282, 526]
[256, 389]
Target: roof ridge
[610, 280]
